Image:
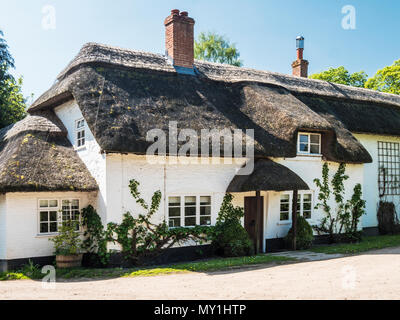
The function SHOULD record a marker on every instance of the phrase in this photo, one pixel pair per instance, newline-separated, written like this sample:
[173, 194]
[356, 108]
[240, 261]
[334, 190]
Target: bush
[388, 222]
[304, 235]
[68, 241]
[230, 239]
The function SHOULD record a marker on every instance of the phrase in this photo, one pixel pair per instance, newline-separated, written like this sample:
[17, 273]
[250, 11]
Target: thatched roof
[125, 93]
[35, 155]
[267, 176]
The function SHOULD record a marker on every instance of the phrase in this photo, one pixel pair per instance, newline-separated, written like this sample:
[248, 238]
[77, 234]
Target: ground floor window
[189, 211]
[304, 205]
[53, 212]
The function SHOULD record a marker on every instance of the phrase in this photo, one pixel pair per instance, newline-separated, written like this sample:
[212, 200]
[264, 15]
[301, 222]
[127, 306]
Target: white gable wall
[371, 170]
[90, 154]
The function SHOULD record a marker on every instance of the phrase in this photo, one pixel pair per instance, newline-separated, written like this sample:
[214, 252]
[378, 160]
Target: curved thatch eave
[267, 176]
[35, 156]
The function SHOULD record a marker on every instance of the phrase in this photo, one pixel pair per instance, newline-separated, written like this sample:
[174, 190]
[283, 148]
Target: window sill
[285, 223]
[52, 235]
[80, 148]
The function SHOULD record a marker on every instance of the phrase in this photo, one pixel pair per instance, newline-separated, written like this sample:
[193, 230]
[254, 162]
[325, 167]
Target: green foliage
[230, 238]
[342, 76]
[68, 241]
[341, 224]
[12, 102]
[386, 79]
[95, 235]
[304, 235]
[215, 48]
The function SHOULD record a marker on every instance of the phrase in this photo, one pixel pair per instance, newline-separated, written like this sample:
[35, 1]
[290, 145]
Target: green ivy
[342, 222]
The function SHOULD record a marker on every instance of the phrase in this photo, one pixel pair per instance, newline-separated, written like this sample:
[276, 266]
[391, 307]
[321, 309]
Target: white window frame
[308, 153]
[58, 209]
[182, 209]
[79, 130]
[301, 194]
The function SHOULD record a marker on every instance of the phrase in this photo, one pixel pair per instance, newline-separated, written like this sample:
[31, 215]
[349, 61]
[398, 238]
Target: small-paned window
[80, 133]
[309, 144]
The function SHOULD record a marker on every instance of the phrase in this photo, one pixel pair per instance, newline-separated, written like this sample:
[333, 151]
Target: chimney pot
[175, 12]
[184, 14]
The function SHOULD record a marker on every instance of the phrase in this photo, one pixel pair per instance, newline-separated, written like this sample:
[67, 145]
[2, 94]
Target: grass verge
[366, 244]
[32, 272]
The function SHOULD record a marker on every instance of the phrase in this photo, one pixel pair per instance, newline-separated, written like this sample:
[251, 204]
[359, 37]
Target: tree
[12, 101]
[342, 76]
[216, 48]
[386, 79]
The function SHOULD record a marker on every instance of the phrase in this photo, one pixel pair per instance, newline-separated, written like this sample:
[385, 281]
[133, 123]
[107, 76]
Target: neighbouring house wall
[3, 226]
[22, 232]
[90, 154]
[191, 179]
[371, 171]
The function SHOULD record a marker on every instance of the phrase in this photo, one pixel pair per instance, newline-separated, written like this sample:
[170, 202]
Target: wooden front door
[254, 221]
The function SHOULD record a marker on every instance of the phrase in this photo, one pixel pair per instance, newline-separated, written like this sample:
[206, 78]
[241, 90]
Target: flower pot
[70, 261]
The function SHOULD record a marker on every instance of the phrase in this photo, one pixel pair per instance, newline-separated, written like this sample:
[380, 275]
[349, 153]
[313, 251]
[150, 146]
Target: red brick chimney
[179, 39]
[300, 66]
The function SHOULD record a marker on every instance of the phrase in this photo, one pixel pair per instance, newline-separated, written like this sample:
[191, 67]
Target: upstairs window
[309, 144]
[189, 211]
[80, 133]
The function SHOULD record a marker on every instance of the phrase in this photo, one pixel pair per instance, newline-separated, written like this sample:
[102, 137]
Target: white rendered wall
[371, 188]
[3, 226]
[22, 232]
[90, 154]
[191, 179]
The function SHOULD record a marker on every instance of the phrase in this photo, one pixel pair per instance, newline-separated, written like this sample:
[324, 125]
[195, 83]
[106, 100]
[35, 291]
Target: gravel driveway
[372, 275]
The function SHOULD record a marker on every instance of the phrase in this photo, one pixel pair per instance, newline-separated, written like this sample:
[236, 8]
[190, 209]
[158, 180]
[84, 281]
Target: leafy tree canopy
[386, 79]
[216, 48]
[12, 101]
[342, 76]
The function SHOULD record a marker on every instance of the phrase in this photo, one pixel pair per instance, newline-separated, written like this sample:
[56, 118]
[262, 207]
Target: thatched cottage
[85, 138]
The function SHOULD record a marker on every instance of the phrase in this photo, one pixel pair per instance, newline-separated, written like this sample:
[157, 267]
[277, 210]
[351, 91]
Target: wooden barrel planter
[71, 261]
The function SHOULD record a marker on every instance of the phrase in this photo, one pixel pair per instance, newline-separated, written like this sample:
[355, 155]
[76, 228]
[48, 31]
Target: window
[304, 205]
[52, 215]
[80, 133]
[189, 211]
[389, 168]
[309, 143]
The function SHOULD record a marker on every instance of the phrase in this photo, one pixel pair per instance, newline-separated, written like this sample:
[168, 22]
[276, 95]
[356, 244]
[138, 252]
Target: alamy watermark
[237, 146]
[349, 20]
[49, 280]
[49, 17]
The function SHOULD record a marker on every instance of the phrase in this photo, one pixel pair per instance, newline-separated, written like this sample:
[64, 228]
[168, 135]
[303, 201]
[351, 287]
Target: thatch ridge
[100, 53]
[267, 176]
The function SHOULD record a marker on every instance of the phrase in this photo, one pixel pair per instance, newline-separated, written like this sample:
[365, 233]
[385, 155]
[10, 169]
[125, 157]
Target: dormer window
[309, 144]
[80, 133]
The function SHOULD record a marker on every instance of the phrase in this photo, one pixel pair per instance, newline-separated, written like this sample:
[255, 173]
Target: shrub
[230, 239]
[304, 235]
[68, 241]
[388, 222]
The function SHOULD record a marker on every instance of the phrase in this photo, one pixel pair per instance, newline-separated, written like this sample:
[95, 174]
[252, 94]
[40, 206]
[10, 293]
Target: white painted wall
[3, 226]
[22, 233]
[191, 179]
[371, 189]
[90, 154]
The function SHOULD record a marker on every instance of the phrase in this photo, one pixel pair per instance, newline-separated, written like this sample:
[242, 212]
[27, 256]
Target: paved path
[308, 255]
[373, 275]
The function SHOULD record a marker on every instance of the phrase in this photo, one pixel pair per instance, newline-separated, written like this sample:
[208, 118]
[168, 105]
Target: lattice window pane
[389, 168]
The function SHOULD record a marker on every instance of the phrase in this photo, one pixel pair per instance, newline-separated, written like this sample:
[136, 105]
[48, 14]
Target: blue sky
[263, 30]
